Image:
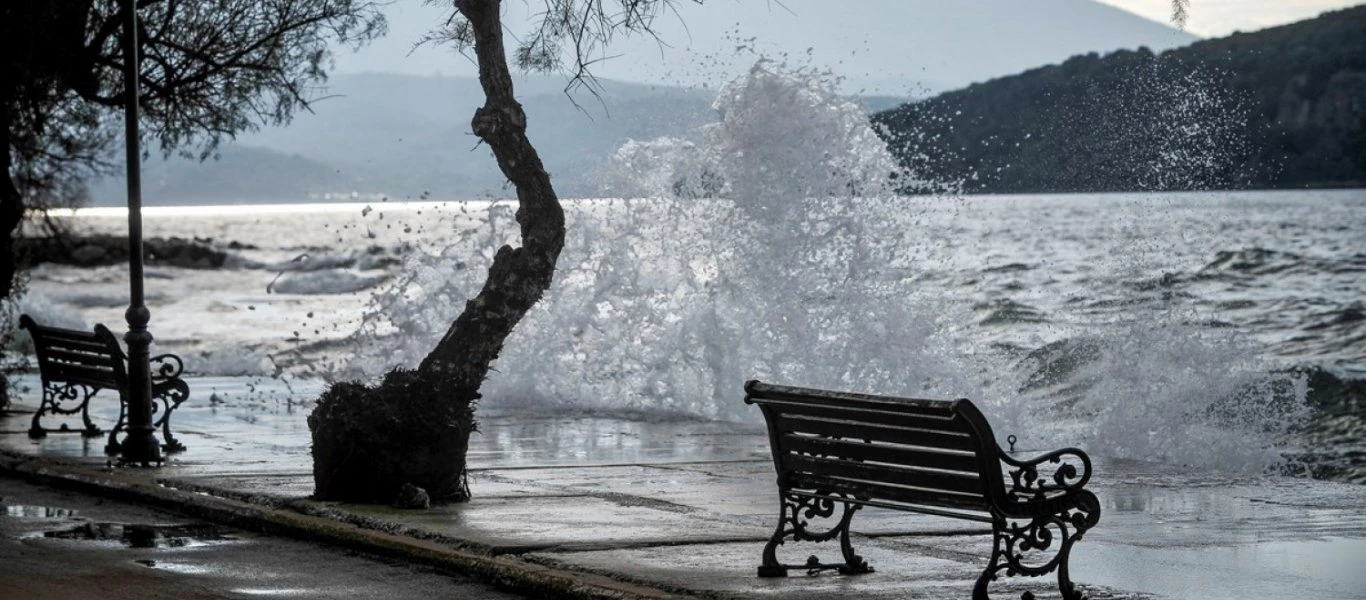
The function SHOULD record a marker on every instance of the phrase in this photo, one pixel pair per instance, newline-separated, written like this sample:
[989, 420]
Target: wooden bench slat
[880, 417]
[105, 377]
[758, 391]
[88, 343]
[81, 357]
[881, 452]
[47, 331]
[878, 491]
[879, 433]
[68, 358]
[942, 412]
[971, 514]
[933, 481]
[938, 457]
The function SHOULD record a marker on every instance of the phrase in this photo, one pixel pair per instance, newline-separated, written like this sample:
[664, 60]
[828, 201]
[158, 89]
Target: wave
[1006, 311]
[1261, 262]
[329, 281]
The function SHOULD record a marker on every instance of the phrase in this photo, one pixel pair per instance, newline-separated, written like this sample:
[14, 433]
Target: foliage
[570, 35]
[1179, 12]
[354, 429]
[1275, 108]
[210, 70]
[346, 458]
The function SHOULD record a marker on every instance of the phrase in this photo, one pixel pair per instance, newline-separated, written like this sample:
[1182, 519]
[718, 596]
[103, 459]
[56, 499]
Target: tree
[413, 428]
[210, 70]
[1180, 11]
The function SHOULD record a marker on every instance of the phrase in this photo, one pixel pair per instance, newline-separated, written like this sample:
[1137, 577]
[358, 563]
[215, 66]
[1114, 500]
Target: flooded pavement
[61, 545]
[683, 507]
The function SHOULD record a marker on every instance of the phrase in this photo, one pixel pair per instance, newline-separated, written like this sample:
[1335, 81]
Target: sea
[1218, 329]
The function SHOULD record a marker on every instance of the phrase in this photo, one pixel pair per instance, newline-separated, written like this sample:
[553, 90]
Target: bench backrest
[91, 358]
[907, 453]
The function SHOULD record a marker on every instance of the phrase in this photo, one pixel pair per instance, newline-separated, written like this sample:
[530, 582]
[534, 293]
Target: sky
[1218, 18]
[890, 47]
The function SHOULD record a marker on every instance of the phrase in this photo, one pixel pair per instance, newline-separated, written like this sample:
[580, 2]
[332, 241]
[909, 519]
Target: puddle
[30, 511]
[143, 536]
[181, 568]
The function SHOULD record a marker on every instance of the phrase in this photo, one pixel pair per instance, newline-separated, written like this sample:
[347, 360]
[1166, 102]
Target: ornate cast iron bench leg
[53, 397]
[1014, 538]
[795, 512]
[168, 405]
[170, 391]
[112, 446]
[169, 443]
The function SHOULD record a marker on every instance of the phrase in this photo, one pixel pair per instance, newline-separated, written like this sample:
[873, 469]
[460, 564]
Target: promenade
[585, 505]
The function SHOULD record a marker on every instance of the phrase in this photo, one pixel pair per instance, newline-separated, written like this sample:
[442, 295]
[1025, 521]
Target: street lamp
[140, 445]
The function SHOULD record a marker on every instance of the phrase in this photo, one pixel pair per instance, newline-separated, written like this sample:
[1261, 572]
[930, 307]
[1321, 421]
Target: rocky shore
[102, 250]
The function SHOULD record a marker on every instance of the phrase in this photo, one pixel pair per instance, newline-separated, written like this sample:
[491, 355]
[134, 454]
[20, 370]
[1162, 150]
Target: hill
[1281, 107]
[896, 47]
[408, 136]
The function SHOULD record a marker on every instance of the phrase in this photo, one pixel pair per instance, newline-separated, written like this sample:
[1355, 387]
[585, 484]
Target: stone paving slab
[729, 569]
[507, 524]
[730, 490]
[56, 544]
[690, 503]
[698, 490]
[528, 439]
[299, 485]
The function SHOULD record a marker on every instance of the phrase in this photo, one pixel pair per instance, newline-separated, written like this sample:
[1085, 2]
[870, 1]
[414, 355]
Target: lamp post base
[140, 449]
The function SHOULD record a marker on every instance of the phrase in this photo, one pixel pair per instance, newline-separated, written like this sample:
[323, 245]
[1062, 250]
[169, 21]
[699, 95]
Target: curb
[507, 571]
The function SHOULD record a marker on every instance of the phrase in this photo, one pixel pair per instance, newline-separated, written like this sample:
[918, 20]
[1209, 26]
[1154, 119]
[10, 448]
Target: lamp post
[140, 444]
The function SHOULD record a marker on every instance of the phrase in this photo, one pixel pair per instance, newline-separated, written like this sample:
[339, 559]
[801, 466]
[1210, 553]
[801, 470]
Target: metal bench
[936, 457]
[76, 365]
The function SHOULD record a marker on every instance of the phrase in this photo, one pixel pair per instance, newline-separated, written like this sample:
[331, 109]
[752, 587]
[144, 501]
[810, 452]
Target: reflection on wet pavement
[143, 536]
[687, 503]
[26, 511]
[59, 545]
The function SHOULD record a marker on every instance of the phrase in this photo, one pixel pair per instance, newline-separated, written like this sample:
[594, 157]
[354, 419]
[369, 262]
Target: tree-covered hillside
[1282, 107]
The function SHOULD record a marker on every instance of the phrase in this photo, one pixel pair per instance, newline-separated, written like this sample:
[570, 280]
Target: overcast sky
[1217, 18]
[893, 47]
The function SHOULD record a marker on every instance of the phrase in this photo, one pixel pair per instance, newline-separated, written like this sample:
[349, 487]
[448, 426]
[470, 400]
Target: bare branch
[570, 36]
[1179, 13]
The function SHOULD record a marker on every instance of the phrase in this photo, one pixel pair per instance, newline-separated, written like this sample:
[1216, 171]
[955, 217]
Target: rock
[410, 429]
[411, 496]
[104, 250]
[89, 254]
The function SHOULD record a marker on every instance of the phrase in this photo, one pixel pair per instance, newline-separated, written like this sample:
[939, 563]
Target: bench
[936, 457]
[76, 365]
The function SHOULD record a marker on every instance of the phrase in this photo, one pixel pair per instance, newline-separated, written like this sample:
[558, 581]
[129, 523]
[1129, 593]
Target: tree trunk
[352, 460]
[11, 214]
[518, 276]
[11, 202]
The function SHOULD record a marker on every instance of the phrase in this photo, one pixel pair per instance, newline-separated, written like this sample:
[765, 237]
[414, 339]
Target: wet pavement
[57, 544]
[624, 506]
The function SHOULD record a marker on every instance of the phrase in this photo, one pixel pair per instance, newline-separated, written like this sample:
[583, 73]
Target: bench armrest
[166, 366]
[166, 381]
[1026, 482]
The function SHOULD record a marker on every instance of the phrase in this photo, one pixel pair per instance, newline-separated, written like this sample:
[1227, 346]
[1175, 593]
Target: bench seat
[77, 365]
[939, 457]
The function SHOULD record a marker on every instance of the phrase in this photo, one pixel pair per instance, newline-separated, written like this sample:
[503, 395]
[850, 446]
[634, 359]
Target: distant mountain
[894, 47]
[1281, 107]
[238, 174]
[409, 137]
